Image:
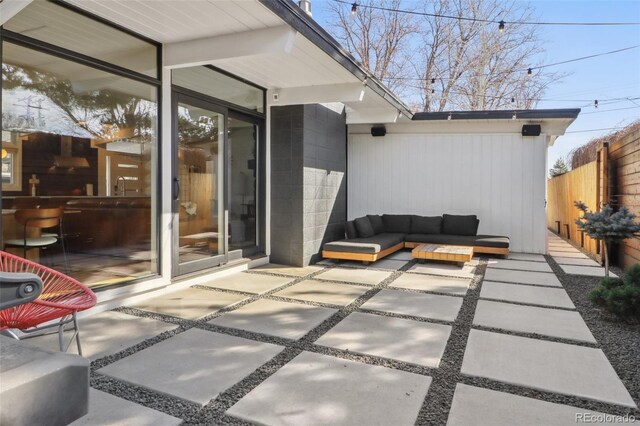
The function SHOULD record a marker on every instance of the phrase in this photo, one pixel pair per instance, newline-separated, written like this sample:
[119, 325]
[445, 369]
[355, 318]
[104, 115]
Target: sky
[603, 78]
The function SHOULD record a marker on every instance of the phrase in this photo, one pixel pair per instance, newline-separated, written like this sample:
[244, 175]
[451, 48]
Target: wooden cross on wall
[33, 182]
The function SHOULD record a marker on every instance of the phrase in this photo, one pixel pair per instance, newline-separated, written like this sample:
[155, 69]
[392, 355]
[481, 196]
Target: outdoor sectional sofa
[372, 237]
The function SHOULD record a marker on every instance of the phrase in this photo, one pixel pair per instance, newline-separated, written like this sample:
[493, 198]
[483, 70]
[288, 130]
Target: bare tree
[454, 62]
[378, 39]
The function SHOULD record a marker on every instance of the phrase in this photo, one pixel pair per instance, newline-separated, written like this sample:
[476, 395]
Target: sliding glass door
[199, 201]
[243, 133]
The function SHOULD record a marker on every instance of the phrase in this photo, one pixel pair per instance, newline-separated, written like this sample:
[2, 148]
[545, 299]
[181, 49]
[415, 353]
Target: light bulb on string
[354, 9]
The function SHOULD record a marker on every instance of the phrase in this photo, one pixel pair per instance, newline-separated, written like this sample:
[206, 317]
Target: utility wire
[596, 130]
[608, 110]
[582, 58]
[488, 21]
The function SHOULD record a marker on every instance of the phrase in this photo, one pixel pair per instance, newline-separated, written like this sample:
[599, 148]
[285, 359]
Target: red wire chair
[62, 297]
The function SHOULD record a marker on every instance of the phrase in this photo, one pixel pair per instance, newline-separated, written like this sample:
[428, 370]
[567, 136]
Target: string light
[530, 70]
[514, 116]
[433, 91]
[501, 26]
[433, 81]
[354, 8]
[513, 100]
[449, 117]
[595, 103]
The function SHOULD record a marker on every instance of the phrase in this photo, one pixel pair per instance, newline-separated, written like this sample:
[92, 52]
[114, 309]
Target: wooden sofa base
[364, 257]
[372, 257]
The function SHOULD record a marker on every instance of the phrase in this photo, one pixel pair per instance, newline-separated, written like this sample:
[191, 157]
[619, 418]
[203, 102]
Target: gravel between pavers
[625, 357]
[619, 340]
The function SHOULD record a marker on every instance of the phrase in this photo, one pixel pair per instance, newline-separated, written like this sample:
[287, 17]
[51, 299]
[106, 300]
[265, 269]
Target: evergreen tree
[559, 168]
[607, 226]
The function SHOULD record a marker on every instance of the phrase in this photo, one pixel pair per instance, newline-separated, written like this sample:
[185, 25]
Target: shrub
[599, 294]
[620, 296]
[632, 277]
[624, 301]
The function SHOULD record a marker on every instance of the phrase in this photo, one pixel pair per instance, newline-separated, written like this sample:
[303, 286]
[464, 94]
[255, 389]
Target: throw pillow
[460, 224]
[397, 223]
[350, 230]
[377, 223]
[363, 225]
[426, 224]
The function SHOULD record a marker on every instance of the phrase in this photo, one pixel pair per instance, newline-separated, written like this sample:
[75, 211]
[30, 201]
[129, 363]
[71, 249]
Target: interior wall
[500, 178]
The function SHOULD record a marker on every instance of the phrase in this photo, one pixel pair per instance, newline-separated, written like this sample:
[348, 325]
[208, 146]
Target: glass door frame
[178, 97]
[260, 180]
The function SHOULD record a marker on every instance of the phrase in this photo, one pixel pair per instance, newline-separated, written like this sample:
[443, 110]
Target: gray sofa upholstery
[374, 244]
[411, 230]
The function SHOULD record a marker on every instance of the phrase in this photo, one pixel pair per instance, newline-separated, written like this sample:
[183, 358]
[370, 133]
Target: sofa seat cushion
[370, 245]
[453, 240]
[492, 241]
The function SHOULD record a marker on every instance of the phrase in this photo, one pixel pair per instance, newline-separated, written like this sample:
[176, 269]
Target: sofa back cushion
[459, 224]
[377, 223]
[397, 223]
[364, 227]
[426, 224]
[350, 230]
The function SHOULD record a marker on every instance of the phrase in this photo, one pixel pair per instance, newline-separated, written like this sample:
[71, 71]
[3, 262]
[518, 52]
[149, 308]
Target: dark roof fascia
[301, 22]
[523, 114]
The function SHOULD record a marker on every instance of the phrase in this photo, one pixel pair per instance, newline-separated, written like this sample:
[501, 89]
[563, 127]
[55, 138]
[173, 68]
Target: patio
[337, 343]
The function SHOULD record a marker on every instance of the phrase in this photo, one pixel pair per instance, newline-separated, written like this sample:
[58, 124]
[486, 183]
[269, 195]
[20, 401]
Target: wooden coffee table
[459, 254]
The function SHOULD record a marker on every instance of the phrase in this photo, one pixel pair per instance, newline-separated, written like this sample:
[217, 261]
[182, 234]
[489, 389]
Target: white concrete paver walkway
[571, 260]
[525, 333]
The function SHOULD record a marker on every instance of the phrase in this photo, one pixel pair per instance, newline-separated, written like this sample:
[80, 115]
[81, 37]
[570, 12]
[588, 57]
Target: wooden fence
[624, 188]
[562, 191]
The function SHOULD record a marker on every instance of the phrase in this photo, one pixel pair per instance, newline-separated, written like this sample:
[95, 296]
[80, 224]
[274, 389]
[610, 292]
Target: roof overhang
[553, 122]
[271, 43]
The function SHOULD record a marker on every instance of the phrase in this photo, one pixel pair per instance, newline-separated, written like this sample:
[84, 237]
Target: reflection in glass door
[198, 192]
[243, 143]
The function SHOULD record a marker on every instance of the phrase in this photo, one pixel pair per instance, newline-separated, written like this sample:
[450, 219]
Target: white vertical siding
[500, 178]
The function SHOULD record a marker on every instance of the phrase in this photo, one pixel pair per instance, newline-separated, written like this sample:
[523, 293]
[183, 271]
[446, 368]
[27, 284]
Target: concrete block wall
[308, 178]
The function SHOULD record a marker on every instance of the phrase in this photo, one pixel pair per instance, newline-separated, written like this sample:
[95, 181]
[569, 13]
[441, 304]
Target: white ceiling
[172, 21]
[169, 21]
